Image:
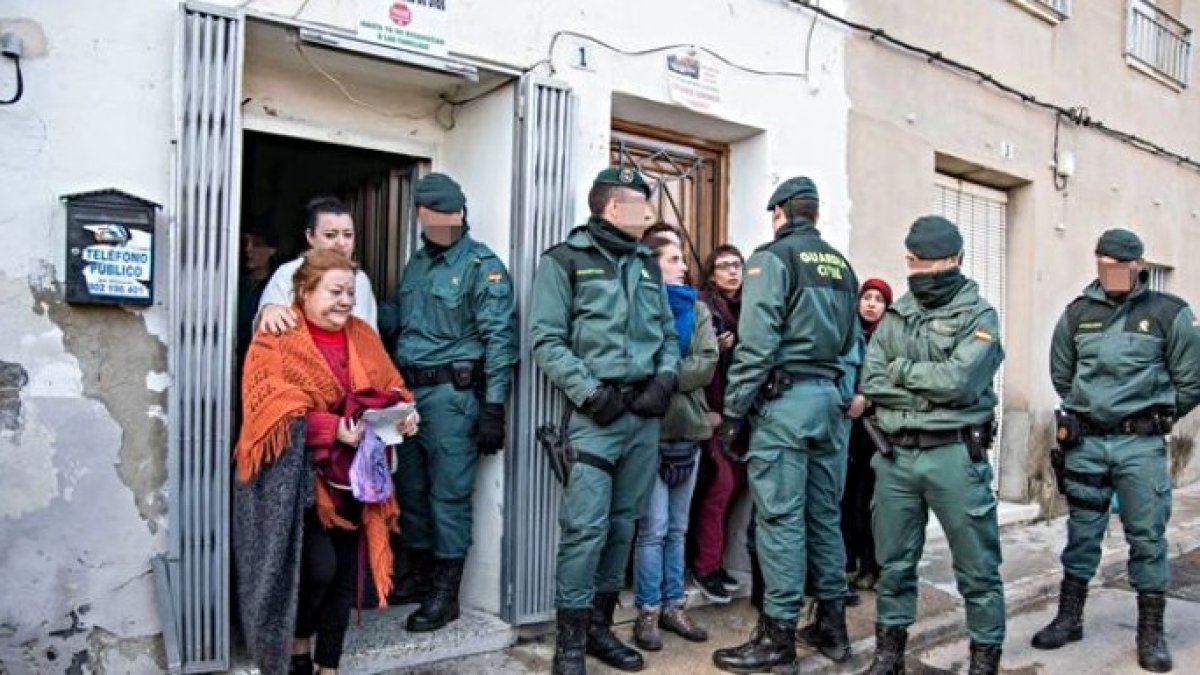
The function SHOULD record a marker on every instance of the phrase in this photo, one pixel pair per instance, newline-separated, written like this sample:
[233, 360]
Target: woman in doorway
[294, 511]
[724, 479]
[873, 301]
[328, 227]
[658, 552]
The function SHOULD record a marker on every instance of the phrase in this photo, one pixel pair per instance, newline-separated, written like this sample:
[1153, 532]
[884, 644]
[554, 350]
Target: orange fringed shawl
[285, 378]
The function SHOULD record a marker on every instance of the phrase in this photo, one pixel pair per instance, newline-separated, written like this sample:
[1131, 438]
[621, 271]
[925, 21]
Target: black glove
[604, 406]
[726, 436]
[490, 429]
[653, 399]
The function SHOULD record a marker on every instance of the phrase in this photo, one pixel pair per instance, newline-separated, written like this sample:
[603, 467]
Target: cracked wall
[82, 434]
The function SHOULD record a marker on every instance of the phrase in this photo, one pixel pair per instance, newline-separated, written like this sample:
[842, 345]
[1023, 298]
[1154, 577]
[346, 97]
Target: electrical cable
[655, 50]
[359, 102]
[20, 83]
[1060, 181]
[1077, 115]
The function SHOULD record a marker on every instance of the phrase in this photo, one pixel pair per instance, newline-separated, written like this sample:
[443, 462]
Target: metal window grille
[1159, 276]
[543, 210]
[1159, 41]
[982, 216]
[1050, 10]
[193, 578]
[1060, 7]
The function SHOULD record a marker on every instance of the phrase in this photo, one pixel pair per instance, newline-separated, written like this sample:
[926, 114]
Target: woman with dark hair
[658, 557]
[873, 302]
[722, 292]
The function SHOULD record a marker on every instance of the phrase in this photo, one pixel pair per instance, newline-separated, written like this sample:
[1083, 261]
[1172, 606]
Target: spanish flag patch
[982, 335]
[493, 277]
[753, 271]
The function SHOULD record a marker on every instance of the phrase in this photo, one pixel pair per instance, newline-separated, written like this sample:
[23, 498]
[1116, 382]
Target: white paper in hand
[384, 421]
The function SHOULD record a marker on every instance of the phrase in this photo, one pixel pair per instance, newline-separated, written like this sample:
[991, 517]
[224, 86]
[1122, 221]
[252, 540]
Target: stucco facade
[911, 119]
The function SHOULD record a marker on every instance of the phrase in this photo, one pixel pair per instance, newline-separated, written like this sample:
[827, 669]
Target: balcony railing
[1159, 41]
[1062, 8]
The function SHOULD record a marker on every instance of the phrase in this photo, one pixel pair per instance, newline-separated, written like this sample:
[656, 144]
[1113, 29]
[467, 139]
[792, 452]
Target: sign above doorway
[415, 25]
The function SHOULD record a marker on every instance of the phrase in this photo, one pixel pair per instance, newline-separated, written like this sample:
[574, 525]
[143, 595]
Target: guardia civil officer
[797, 329]
[929, 371]
[602, 330]
[454, 324]
[1125, 360]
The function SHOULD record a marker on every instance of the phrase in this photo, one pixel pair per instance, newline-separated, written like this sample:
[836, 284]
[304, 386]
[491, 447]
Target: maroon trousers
[709, 517]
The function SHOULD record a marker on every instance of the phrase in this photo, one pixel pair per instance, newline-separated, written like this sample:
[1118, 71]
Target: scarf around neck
[937, 288]
[608, 237]
[285, 378]
[682, 299]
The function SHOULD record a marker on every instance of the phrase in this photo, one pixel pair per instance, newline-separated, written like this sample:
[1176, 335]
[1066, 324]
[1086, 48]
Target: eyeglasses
[728, 266]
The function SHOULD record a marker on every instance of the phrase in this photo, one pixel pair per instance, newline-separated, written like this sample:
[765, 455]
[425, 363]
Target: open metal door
[543, 210]
[193, 577]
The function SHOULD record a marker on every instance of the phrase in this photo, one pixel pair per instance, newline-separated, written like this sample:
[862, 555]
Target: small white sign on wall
[693, 82]
[415, 25]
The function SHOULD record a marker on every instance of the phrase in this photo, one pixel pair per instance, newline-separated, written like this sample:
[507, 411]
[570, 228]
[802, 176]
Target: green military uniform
[799, 318]
[1111, 361]
[1126, 366]
[598, 317]
[928, 371]
[453, 305]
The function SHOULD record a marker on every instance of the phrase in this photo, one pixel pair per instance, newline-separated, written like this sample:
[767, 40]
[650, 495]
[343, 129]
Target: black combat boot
[569, 658]
[441, 605]
[417, 582]
[827, 634]
[985, 659]
[1152, 651]
[772, 644]
[890, 642]
[1067, 625]
[602, 644]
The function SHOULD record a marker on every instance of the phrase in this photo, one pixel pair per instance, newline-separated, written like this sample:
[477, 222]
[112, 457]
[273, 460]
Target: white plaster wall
[75, 587]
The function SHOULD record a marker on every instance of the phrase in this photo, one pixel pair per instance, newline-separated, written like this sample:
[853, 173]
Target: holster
[1068, 429]
[1058, 462]
[467, 375]
[777, 383]
[979, 439]
[561, 455]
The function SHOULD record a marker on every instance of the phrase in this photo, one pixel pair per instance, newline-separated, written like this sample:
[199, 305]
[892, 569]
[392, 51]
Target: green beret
[933, 238]
[792, 188]
[440, 193]
[623, 176]
[1120, 244]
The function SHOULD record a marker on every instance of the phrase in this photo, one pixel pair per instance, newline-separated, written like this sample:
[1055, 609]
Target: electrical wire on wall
[558, 35]
[1078, 115]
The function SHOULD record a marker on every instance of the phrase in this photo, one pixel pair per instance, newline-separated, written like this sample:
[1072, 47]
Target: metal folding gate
[193, 577]
[543, 210]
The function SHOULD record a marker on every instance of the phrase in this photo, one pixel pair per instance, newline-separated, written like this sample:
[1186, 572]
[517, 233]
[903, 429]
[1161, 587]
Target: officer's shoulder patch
[754, 270]
[495, 277]
[983, 335]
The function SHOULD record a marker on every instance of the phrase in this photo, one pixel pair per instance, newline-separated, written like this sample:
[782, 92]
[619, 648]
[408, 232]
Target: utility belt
[978, 439]
[780, 380]
[1070, 430]
[1071, 427]
[461, 374]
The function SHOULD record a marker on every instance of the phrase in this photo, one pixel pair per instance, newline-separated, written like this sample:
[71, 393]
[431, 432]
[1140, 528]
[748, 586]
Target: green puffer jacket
[932, 370]
[1110, 360]
[687, 418]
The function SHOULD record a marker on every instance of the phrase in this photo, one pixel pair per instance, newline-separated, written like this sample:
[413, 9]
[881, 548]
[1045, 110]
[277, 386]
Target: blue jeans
[658, 552]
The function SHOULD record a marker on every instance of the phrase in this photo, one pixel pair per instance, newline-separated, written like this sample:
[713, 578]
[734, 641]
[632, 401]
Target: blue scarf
[683, 306]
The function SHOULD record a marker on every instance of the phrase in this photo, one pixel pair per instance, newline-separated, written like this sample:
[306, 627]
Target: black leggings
[328, 586]
[856, 515]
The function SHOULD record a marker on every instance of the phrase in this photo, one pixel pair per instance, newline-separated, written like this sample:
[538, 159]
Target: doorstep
[381, 644]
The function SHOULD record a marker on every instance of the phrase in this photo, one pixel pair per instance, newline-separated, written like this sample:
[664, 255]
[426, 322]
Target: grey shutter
[193, 578]
[982, 216]
[543, 209]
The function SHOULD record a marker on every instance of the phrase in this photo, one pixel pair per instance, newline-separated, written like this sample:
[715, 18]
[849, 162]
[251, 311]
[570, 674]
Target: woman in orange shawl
[301, 540]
